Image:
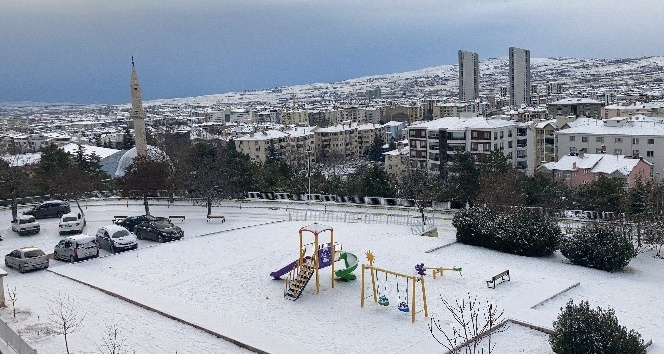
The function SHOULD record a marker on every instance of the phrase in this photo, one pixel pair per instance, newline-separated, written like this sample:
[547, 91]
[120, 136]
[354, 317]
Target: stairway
[298, 279]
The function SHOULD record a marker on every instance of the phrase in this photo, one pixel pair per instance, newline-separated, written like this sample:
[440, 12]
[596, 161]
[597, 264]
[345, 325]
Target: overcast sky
[79, 51]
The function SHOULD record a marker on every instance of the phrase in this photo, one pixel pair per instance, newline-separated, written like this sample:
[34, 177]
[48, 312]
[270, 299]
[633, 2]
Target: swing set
[380, 292]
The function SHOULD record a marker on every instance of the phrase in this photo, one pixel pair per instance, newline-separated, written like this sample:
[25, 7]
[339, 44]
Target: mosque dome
[154, 153]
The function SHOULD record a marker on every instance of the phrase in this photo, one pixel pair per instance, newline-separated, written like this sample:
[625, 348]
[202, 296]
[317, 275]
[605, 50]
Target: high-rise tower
[469, 76]
[519, 76]
[137, 113]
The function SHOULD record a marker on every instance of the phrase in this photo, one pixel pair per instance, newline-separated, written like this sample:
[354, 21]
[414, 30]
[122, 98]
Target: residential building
[626, 109]
[580, 169]
[291, 146]
[634, 137]
[519, 76]
[578, 107]
[469, 76]
[452, 109]
[294, 117]
[396, 161]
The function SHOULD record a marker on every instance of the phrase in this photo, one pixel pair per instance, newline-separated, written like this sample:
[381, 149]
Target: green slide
[351, 264]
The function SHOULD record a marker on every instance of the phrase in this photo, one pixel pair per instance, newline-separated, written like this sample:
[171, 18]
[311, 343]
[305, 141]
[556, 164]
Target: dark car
[131, 221]
[50, 209]
[158, 230]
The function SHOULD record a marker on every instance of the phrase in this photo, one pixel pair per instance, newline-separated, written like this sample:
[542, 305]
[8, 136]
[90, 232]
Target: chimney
[574, 165]
[582, 153]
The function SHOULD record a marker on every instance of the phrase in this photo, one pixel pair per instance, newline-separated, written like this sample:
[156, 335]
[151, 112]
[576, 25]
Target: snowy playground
[215, 285]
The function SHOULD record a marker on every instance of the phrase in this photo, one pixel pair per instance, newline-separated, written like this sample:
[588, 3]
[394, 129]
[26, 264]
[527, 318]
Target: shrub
[580, 329]
[475, 226]
[598, 246]
[529, 233]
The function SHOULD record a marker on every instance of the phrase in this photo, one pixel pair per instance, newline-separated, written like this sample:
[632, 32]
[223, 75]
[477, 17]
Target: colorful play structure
[307, 265]
[379, 288]
[421, 269]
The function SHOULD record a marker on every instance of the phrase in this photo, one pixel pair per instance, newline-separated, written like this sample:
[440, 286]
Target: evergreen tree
[375, 152]
[604, 194]
[128, 141]
[272, 154]
[463, 178]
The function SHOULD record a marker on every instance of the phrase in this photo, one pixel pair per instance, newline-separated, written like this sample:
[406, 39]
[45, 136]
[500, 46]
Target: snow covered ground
[217, 278]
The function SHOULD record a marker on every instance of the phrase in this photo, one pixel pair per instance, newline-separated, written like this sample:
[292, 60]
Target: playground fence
[361, 217]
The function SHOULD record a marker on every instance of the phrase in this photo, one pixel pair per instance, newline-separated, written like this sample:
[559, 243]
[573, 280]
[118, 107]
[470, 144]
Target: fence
[357, 217]
[14, 340]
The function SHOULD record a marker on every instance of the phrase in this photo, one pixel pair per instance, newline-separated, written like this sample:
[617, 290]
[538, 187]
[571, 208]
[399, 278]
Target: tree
[55, 172]
[272, 154]
[499, 182]
[128, 141]
[114, 341]
[13, 183]
[473, 322]
[146, 177]
[65, 315]
[463, 178]
[375, 152]
[598, 246]
[580, 329]
[419, 186]
[604, 194]
[541, 191]
[11, 293]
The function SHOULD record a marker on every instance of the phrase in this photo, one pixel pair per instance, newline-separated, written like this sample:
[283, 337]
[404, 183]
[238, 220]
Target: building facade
[469, 76]
[519, 76]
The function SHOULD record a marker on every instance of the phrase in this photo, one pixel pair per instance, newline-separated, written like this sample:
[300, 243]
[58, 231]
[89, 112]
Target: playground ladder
[298, 279]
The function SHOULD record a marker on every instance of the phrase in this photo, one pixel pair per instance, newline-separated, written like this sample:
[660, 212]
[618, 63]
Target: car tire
[113, 249]
[6, 264]
[138, 234]
[160, 239]
[71, 259]
[20, 269]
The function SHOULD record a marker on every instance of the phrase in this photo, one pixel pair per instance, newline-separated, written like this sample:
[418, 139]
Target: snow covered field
[217, 278]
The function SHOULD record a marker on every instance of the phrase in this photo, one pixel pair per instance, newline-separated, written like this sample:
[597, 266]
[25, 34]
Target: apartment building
[519, 76]
[366, 134]
[452, 109]
[580, 169]
[396, 161]
[297, 117]
[432, 143]
[626, 109]
[577, 107]
[634, 137]
[469, 76]
[542, 143]
[291, 145]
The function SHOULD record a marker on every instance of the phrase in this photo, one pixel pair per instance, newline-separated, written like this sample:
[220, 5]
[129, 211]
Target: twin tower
[519, 76]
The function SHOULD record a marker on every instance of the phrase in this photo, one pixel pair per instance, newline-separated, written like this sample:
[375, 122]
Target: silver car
[116, 238]
[75, 248]
[27, 258]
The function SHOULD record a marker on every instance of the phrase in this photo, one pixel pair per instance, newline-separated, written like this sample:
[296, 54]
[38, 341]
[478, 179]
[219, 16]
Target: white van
[75, 248]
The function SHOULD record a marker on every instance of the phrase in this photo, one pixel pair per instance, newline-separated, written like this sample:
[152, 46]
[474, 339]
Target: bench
[179, 217]
[500, 276]
[119, 217]
[223, 218]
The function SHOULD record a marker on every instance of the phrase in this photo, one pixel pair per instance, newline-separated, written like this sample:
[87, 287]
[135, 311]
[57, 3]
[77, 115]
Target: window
[509, 133]
[584, 139]
[502, 134]
[599, 139]
[568, 175]
[651, 141]
[509, 144]
[572, 138]
[635, 141]
[618, 140]
[650, 153]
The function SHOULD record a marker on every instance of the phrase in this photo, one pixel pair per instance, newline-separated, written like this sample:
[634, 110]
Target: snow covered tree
[604, 194]
[528, 232]
[145, 178]
[114, 341]
[598, 246]
[66, 316]
[462, 181]
[14, 182]
[580, 329]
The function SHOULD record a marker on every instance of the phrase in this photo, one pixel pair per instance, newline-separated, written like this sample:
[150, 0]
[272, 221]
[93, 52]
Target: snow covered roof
[596, 163]
[571, 101]
[316, 228]
[22, 159]
[636, 127]
[154, 153]
[458, 123]
[102, 152]
[397, 152]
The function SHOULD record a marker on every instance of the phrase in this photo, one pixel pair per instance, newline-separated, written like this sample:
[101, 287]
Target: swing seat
[383, 300]
[403, 307]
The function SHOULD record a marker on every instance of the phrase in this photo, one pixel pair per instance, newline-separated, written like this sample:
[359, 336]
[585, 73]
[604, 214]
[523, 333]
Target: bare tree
[64, 313]
[11, 293]
[114, 341]
[473, 322]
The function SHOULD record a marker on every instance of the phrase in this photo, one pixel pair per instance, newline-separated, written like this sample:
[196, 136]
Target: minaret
[137, 113]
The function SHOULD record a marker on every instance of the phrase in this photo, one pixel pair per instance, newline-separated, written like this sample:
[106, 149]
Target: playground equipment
[324, 255]
[421, 269]
[383, 299]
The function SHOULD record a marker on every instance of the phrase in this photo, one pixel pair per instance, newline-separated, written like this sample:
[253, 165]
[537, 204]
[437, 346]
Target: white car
[72, 222]
[116, 238]
[27, 258]
[25, 224]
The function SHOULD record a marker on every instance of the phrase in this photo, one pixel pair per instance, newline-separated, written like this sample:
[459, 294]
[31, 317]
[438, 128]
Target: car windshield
[26, 220]
[34, 253]
[121, 233]
[162, 224]
[69, 218]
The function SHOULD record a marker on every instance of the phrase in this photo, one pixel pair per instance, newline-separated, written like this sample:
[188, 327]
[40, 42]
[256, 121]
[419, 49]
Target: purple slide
[324, 260]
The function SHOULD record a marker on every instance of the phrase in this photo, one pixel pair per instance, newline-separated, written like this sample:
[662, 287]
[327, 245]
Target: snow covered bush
[476, 226]
[528, 232]
[580, 329]
[598, 246]
[519, 231]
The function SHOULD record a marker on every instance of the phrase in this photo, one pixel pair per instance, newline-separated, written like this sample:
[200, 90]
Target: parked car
[131, 221]
[75, 248]
[50, 209]
[158, 230]
[116, 238]
[72, 222]
[25, 224]
[27, 258]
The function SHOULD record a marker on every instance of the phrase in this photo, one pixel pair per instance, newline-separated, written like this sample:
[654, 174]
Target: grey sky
[80, 50]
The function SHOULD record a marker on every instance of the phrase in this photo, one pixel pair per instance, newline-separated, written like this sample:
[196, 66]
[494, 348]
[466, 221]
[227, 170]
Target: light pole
[309, 173]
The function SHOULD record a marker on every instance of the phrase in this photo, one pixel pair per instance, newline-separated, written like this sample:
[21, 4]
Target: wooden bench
[223, 218]
[179, 217]
[500, 276]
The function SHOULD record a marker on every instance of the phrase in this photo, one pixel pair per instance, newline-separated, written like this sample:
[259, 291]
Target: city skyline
[78, 52]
